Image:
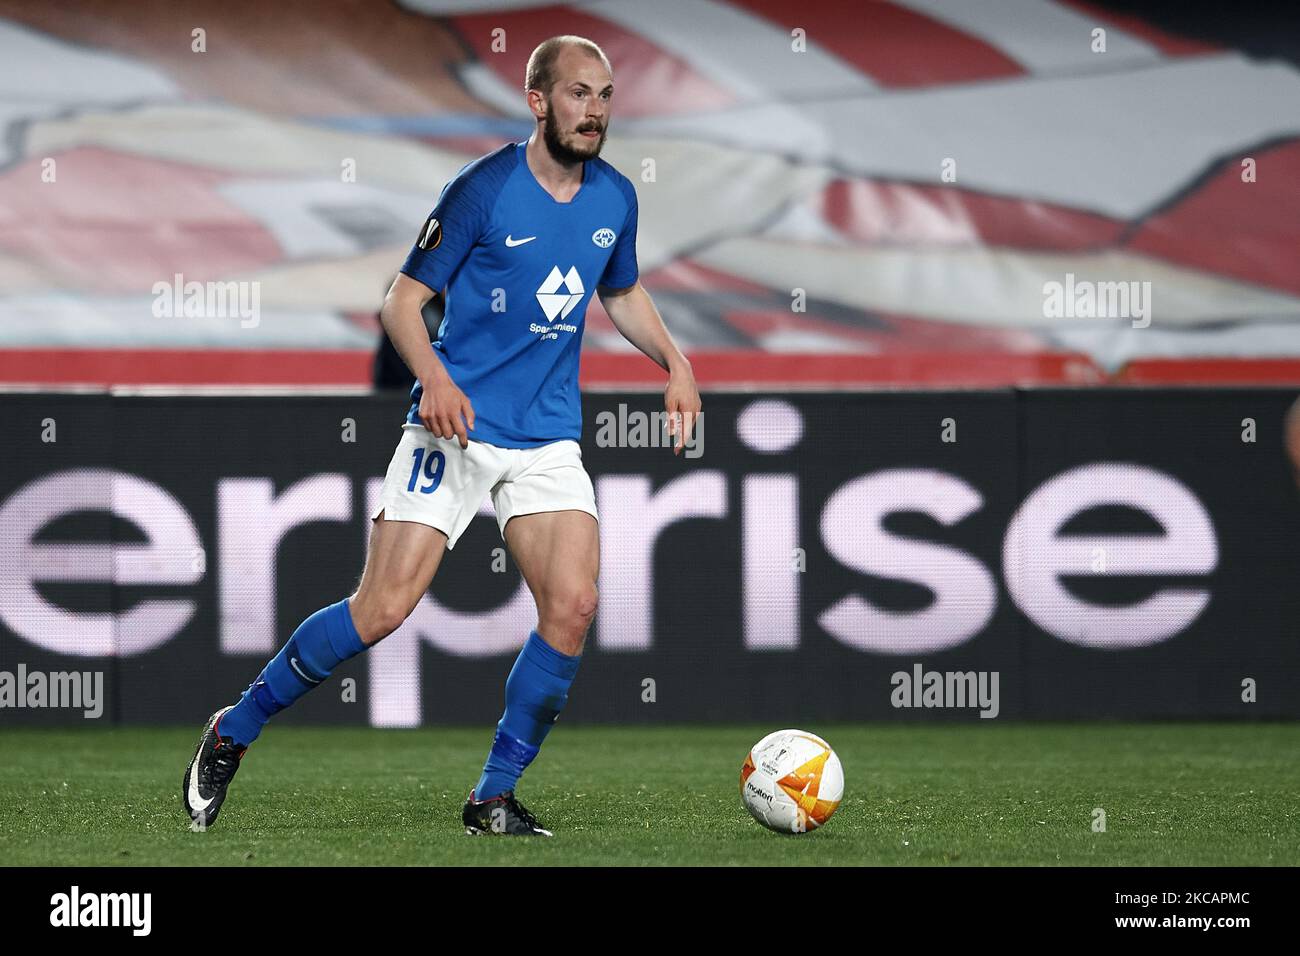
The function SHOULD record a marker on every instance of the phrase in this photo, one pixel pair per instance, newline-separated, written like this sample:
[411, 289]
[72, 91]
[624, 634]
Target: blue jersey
[519, 269]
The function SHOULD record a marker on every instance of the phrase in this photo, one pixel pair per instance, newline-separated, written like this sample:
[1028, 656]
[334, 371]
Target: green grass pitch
[965, 794]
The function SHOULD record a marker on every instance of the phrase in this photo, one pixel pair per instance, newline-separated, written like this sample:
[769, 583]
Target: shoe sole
[475, 831]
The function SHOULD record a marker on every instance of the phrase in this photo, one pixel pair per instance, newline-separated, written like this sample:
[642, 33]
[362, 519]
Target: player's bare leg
[403, 558]
[558, 553]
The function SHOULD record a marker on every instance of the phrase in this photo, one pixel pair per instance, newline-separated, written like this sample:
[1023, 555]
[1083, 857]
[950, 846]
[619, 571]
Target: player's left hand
[682, 402]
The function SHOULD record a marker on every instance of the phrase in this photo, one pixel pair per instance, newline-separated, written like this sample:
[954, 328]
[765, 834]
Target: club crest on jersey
[430, 235]
[603, 238]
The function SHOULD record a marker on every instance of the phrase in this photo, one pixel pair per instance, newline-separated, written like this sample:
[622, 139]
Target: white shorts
[436, 482]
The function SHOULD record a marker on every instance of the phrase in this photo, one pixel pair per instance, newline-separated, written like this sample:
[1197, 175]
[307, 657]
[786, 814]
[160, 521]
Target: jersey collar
[521, 155]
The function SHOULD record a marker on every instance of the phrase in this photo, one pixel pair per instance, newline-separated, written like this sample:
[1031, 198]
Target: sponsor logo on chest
[558, 295]
[561, 291]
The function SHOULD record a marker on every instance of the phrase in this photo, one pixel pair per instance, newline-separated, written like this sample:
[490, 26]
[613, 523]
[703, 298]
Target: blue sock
[536, 690]
[320, 644]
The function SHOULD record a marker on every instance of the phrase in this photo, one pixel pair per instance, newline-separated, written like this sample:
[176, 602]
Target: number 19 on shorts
[434, 464]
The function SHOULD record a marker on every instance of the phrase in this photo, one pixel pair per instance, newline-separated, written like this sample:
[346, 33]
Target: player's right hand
[445, 410]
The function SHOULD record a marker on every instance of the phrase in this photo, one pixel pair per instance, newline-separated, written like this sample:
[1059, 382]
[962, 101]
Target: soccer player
[518, 240]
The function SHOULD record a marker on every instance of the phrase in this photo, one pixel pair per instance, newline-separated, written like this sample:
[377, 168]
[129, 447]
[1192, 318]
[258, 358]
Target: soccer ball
[791, 781]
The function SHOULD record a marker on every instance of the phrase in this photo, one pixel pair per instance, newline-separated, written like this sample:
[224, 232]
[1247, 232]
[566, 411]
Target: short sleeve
[621, 270]
[447, 236]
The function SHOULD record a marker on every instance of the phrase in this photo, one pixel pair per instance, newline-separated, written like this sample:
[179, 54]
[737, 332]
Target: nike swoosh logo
[197, 803]
[512, 242]
[293, 662]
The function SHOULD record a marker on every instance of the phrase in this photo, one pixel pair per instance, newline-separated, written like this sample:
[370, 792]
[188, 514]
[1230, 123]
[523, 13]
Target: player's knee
[379, 617]
[589, 602]
[393, 612]
[575, 607]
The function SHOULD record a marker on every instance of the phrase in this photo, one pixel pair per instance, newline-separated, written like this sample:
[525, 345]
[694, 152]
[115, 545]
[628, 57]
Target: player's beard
[562, 152]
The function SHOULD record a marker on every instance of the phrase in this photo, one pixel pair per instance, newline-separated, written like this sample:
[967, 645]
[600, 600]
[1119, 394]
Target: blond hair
[540, 74]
